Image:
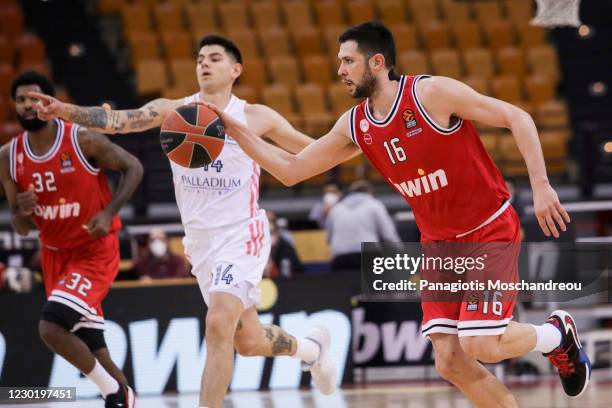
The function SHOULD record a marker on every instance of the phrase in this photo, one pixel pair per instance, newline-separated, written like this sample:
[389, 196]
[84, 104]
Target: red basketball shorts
[477, 310]
[81, 277]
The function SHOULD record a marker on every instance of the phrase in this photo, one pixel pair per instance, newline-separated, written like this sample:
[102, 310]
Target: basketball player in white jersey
[226, 234]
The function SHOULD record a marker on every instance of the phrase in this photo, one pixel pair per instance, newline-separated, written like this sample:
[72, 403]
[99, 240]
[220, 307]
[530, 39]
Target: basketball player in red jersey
[417, 132]
[223, 232]
[52, 175]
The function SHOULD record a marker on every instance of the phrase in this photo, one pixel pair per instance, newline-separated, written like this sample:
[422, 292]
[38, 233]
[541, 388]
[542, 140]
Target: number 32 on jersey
[44, 181]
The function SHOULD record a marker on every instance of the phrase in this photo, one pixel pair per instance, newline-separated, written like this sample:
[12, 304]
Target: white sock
[306, 350]
[548, 337]
[104, 381]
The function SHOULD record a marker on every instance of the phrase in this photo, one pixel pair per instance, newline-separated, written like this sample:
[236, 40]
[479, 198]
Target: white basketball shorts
[230, 259]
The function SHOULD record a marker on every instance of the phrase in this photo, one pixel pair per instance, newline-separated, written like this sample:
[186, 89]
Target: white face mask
[330, 198]
[158, 248]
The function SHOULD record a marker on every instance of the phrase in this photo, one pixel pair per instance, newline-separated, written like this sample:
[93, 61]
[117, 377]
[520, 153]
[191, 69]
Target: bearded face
[25, 106]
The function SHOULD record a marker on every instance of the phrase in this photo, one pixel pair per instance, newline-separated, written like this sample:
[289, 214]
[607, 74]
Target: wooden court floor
[542, 393]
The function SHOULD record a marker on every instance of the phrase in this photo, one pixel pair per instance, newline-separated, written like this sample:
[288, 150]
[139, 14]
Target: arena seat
[414, 62]
[435, 35]
[479, 62]
[499, 33]
[201, 17]
[285, 70]
[540, 88]
[543, 60]
[233, 15]
[177, 45]
[307, 41]
[478, 83]
[297, 13]
[266, 14]
[519, 11]
[143, 46]
[274, 41]
[360, 11]
[423, 12]
[278, 97]
[406, 37]
[313, 108]
[552, 114]
[340, 99]
[530, 36]
[311, 246]
[466, 35]
[246, 41]
[7, 50]
[455, 12]
[487, 11]
[246, 92]
[511, 61]
[445, 62]
[506, 88]
[151, 77]
[30, 49]
[135, 18]
[317, 69]
[392, 11]
[254, 73]
[183, 74]
[168, 17]
[330, 37]
[11, 20]
[329, 13]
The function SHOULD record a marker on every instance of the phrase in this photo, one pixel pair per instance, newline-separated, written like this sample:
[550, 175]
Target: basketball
[192, 136]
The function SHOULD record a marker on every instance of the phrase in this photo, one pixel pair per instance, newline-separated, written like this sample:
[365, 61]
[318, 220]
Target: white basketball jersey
[224, 192]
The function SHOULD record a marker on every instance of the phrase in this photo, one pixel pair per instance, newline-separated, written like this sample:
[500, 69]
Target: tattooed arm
[107, 120]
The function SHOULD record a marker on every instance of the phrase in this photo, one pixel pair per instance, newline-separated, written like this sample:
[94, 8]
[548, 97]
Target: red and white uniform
[77, 268]
[452, 185]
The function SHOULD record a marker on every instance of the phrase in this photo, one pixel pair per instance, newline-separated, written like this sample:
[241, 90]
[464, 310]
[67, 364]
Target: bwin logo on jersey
[424, 184]
[61, 211]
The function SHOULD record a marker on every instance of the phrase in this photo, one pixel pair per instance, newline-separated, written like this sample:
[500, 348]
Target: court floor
[542, 393]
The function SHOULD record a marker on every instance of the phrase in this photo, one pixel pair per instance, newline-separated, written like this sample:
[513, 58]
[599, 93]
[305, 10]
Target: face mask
[330, 198]
[158, 248]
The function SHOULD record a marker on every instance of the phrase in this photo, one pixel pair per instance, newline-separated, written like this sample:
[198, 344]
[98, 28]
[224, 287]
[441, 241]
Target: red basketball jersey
[70, 190]
[446, 175]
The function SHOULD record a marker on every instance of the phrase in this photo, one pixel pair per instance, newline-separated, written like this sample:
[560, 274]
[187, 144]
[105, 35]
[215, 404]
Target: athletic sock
[106, 384]
[306, 350]
[548, 337]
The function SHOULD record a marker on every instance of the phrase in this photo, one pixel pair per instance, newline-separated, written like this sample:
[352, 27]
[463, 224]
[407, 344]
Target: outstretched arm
[318, 157]
[21, 204]
[106, 120]
[98, 149]
[264, 121]
[445, 97]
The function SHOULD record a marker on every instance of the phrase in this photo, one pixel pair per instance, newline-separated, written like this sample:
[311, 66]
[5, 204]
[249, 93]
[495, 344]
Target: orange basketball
[192, 136]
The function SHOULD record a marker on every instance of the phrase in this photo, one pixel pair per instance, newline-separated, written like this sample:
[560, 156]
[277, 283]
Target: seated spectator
[331, 194]
[159, 262]
[284, 261]
[358, 218]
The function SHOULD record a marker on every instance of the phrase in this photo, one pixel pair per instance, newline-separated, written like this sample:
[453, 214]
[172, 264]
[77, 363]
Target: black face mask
[31, 124]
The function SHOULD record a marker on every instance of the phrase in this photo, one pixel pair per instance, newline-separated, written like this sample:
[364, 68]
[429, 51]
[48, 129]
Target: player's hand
[549, 210]
[231, 125]
[26, 201]
[47, 106]
[100, 224]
